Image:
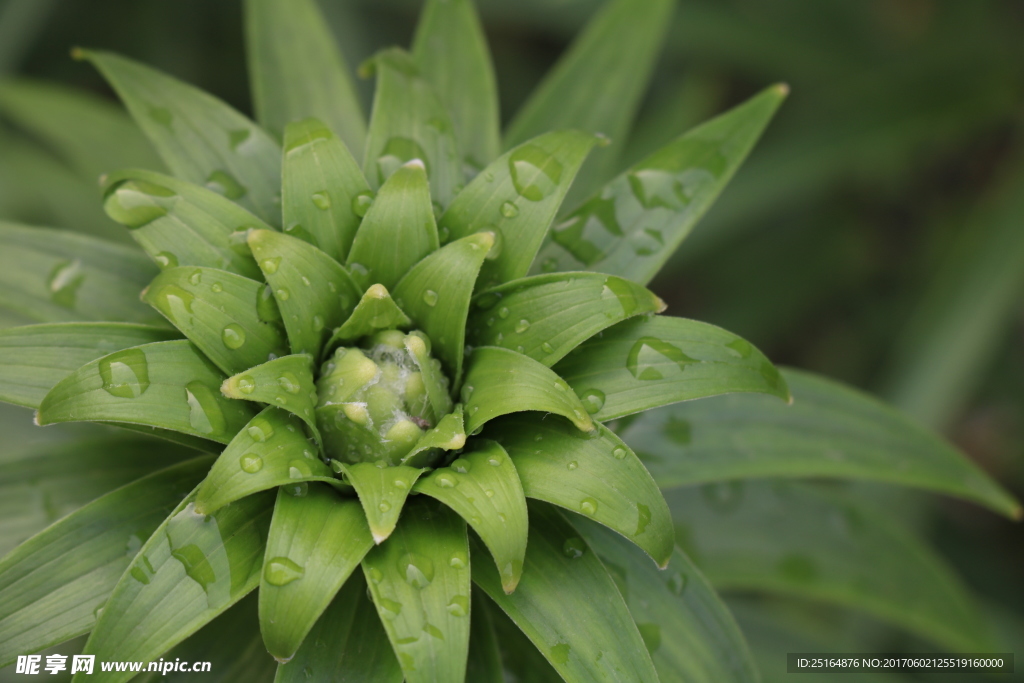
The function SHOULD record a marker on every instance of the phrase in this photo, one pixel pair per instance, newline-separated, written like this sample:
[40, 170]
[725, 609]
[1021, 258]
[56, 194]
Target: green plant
[384, 364]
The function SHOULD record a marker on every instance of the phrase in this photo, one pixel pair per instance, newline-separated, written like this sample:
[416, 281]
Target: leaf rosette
[403, 362]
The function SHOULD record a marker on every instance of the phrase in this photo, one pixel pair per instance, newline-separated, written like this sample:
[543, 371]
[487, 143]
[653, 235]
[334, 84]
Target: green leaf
[451, 51]
[642, 364]
[398, 229]
[57, 276]
[36, 357]
[568, 605]
[168, 385]
[484, 664]
[516, 197]
[291, 267]
[270, 451]
[688, 630]
[791, 540]
[598, 477]
[598, 83]
[220, 313]
[297, 70]
[181, 224]
[38, 188]
[375, 311]
[53, 585]
[519, 657]
[200, 138]
[968, 309]
[231, 644]
[409, 122]
[382, 492]
[419, 581]
[45, 482]
[547, 316]
[316, 541]
[831, 430]
[484, 489]
[448, 435]
[500, 382]
[190, 570]
[92, 134]
[636, 222]
[285, 382]
[437, 291]
[323, 190]
[359, 650]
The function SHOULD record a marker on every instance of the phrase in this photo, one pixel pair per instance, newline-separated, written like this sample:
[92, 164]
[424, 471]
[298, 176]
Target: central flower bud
[373, 401]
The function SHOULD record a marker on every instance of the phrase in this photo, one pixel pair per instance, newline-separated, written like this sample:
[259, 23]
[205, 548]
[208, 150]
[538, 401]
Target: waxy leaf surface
[830, 430]
[219, 312]
[316, 541]
[323, 189]
[645, 363]
[190, 570]
[36, 357]
[167, 385]
[484, 489]
[298, 71]
[547, 316]
[597, 477]
[200, 138]
[52, 276]
[420, 583]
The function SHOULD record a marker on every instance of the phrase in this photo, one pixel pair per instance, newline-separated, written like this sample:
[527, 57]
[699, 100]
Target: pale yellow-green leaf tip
[380, 534]
[78, 54]
[782, 89]
[377, 291]
[416, 163]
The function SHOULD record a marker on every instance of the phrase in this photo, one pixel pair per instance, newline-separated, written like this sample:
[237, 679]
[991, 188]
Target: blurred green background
[876, 234]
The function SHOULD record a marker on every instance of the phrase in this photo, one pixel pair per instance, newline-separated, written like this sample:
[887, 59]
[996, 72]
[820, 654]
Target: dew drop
[593, 400]
[205, 415]
[270, 265]
[246, 384]
[289, 382]
[462, 466]
[547, 348]
[391, 608]
[446, 481]
[165, 260]
[494, 460]
[535, 173]
[417, 569]
[430, 298]
[322, 200]
[361, 203]
[195, 278]
[619, 453]
[384, 506]
[224, 183]
[588, 506]
[125, 374]
[503, 312]
[458, 561]
[282, 294]
[266, 306]
[299, 469]
[509, 210]
[574, 548]
[459, 606]
[677, 583]
[572, 465]
[375, 575]
[260, 430]
[251, 463]
[280, 571]
[522, 326]
[233, 336]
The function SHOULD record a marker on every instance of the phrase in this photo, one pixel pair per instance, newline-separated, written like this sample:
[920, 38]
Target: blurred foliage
[875, 235]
